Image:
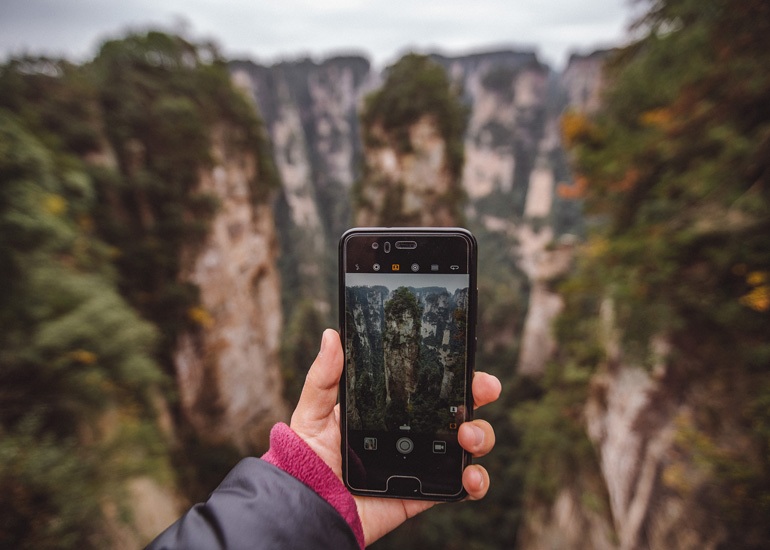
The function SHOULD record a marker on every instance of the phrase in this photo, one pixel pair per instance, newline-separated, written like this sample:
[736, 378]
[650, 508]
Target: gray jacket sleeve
[259, 506]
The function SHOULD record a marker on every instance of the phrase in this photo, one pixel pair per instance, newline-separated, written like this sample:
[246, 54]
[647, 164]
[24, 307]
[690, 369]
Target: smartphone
[407, 322]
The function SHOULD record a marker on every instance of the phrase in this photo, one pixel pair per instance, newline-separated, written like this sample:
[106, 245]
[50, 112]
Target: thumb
[319, 394]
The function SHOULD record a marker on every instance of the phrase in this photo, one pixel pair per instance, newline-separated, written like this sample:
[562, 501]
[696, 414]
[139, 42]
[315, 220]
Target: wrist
[293, 455]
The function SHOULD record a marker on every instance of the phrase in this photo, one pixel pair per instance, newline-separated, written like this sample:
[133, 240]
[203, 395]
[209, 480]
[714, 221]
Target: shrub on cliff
[99, 165]
[675, 172]
[71, 350]
[415, 88]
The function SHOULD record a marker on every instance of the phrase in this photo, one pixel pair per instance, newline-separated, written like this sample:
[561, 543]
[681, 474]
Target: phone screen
[407, 304]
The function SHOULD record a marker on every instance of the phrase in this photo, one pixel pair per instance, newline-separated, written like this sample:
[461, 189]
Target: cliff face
[567, 521]
[583, 80]
[401, 353]
[642, 423]
[513, 176]
[135, 274]
[506, 93]
[413, 184]
[228, 370]
[418, 360]
[542, 262]
[364, 355]
[513, 160]
[637, 418]
[310, 111]
[513, 166]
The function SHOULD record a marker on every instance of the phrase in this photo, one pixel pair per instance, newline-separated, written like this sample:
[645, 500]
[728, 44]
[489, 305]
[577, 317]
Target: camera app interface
[406, 331]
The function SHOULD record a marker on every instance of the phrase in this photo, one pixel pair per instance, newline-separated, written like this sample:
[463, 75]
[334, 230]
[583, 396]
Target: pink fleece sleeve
[290, 453]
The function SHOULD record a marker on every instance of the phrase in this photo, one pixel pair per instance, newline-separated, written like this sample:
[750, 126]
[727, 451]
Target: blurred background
[174, 179]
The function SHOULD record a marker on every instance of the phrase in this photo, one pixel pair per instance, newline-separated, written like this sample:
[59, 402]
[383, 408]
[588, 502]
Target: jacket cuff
[290, 453]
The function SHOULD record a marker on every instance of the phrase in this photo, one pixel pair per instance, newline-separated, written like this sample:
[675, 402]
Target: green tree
[71, 349]
[162, 99]
[675, 172]
[99, 165]
[401, 347]
[415, 87]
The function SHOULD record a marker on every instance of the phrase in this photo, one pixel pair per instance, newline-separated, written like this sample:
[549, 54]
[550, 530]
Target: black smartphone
[407, 322]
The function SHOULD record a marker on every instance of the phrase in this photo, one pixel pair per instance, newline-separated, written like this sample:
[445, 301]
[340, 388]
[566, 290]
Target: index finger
[486, 389]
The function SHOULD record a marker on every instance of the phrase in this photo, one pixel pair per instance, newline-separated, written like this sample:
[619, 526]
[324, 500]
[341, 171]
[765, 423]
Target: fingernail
[323, 344]
[499, 385]
[478, 435]
[477, 479]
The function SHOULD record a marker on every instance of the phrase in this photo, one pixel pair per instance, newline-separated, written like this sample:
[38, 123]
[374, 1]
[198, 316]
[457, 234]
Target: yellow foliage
[575, 126]
[596, 247]
[758, 299]
[656, 117]
[54, 204]
[200, 316]
[757, 278]
[84, 356]
[675, 476]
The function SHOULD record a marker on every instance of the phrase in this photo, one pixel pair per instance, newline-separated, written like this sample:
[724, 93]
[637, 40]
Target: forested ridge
[99, 165]
[669, 292]
[674, 172]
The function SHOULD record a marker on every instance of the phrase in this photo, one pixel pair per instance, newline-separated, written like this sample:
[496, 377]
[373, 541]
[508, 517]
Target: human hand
[317, 421]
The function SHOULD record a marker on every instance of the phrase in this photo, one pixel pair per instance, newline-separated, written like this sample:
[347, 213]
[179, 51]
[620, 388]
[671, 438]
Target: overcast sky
[269, 30]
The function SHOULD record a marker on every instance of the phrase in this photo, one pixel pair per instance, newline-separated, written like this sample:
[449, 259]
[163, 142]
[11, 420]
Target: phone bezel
[403, 234]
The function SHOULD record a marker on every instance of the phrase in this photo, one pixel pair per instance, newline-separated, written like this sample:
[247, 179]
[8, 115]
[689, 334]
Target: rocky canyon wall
[412, 186]
[637, 418]
[514, 165]
[228, 369]
[311, 113]
[514, 175]
[396, 337]
[513, 159]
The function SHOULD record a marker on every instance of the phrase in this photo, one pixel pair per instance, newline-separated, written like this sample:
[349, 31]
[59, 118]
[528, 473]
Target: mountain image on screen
[405, 356]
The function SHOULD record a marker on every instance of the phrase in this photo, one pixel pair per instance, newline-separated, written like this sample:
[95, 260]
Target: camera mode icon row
[397, 267]
[404, 445]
